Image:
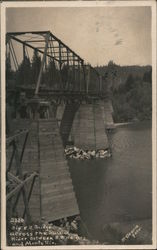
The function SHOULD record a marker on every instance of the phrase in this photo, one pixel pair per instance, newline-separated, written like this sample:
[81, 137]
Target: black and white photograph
[78, 97]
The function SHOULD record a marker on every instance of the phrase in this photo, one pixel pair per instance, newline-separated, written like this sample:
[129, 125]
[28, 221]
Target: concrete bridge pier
[108, 112]
[59, 112]
[88, 128]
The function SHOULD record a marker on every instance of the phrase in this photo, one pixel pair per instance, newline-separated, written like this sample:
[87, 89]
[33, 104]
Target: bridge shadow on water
[89, 183]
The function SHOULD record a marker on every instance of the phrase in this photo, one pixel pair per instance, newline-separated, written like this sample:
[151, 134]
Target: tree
[111, 63]
[130, 83]
[51, 74]
[36, 64]
[24, 72]
[64, 74]
[147, 77]
[9, 72]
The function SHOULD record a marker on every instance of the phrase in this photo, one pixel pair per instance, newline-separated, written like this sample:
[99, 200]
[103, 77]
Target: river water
[117, 189]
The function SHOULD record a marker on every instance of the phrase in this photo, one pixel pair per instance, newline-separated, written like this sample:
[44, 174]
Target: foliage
[36, 64]
[9, 72]
[23, 75]
[133, 100]
[130, 88]
[118, 74]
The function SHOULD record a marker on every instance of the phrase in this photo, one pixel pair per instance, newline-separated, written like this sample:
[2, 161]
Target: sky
[97, 34]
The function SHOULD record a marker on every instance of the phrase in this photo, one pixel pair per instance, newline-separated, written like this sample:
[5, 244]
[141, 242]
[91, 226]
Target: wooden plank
[54, 178]
[56, 183]
[59, 198]
[60, 205]
[60, 214]
[57, 190]
[14, 191]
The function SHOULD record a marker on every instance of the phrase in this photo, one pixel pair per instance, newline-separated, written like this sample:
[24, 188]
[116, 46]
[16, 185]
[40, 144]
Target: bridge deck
[53, 195]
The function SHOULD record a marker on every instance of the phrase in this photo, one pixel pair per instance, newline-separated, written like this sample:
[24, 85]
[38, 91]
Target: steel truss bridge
[68, 98]
[72, 76]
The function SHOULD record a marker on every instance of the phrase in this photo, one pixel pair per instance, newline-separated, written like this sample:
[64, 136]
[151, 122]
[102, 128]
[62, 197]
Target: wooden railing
[16, 179]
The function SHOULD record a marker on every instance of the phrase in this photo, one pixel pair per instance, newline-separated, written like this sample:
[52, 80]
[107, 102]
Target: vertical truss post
[60, 65]
[46, 63]
[12, 55]
[60, 57]
[42, 64]
[88, 78]
[24, 52]
[79, 76]
[24, 61]
[100, 84]
[68, 68]
[73, 72]
[84, 75]
[6, 49]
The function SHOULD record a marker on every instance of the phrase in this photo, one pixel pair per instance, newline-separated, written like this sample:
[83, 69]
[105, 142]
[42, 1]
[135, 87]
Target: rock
[77, 153]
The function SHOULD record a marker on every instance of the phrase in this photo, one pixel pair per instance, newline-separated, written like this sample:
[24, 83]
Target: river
[117, 191]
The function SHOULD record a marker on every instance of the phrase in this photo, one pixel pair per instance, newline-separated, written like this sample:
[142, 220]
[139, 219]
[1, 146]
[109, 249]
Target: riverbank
[118, 124]
[132, 123]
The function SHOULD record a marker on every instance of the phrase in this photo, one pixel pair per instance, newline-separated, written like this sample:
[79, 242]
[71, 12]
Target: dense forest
[28, 71]
[130, 87]
[55, 75]
[131, 91]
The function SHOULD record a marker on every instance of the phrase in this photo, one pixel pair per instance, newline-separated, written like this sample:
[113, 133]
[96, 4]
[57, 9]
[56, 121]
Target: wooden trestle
[53, 195]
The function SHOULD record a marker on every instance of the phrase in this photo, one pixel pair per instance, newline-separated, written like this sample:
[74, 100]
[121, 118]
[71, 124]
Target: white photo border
[47, 4]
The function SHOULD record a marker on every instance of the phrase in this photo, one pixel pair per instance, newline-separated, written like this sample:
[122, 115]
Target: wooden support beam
[29, 194]
[12, 138]
[24, 145]
[25, 200]
[14, 178]
[11, 159]
[15, 191]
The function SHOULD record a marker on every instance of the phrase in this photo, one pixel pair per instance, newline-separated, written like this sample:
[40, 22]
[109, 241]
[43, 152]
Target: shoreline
[122, 123]
[117, 124]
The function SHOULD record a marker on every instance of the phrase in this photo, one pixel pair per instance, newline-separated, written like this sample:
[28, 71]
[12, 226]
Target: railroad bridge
[53, 99]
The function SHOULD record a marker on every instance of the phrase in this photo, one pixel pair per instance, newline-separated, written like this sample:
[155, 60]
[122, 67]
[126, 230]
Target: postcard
[78, 125]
